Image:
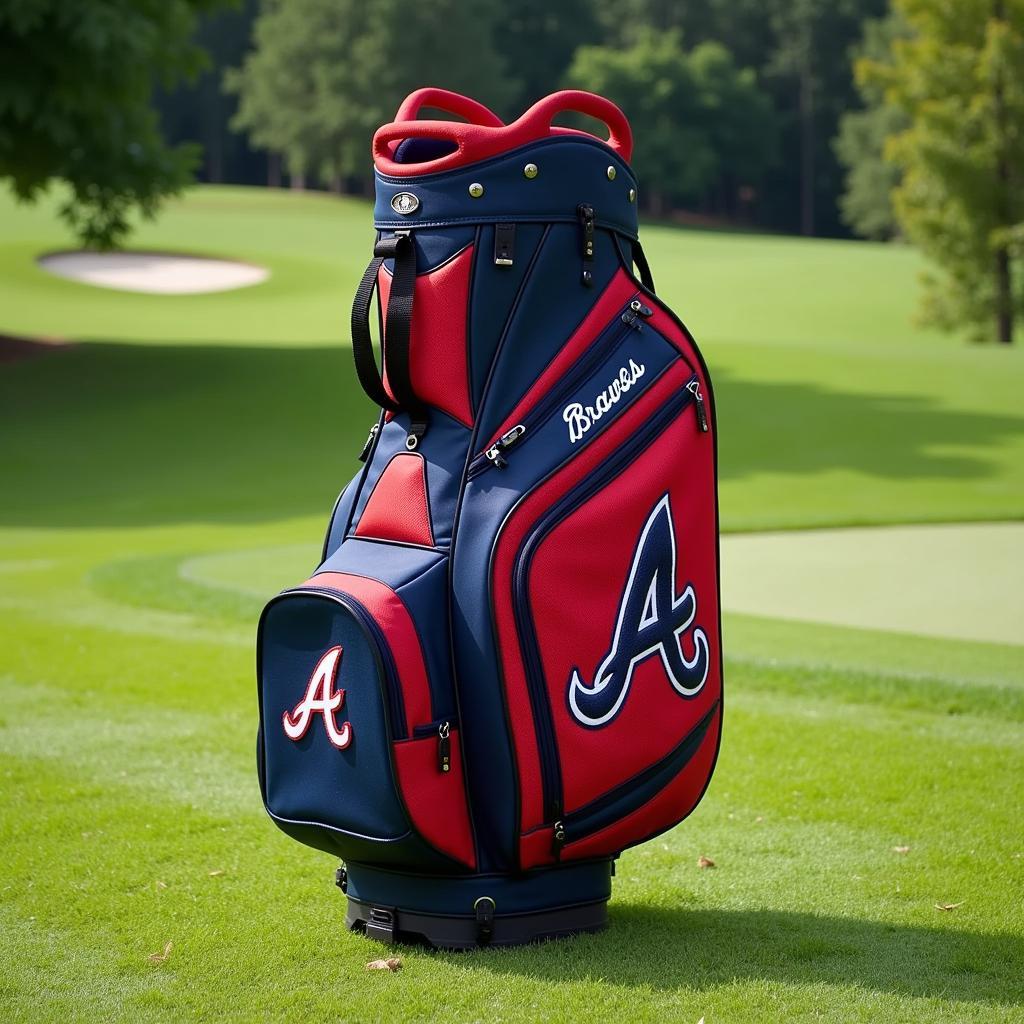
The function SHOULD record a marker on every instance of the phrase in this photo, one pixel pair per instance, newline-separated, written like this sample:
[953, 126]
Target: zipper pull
[506, 441]
[558, 839]
[636, 309]
[364, 454]
[702, 417]
[444, 748]
[585, 212]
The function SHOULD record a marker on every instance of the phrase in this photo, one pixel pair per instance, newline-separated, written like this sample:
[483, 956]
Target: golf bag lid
[480, 170]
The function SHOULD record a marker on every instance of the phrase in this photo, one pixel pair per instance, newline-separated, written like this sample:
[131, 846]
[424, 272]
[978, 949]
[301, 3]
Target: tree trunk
[273, 170]
[1004, 297]
[806, 147]
[1004, 279]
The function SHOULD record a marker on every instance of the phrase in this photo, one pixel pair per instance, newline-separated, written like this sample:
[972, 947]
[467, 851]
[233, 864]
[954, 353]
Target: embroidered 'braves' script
[582, 417]
[321, 699]
[652, 620]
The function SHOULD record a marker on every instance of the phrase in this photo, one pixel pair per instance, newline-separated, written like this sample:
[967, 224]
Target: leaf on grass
[214, 874]
[948, 906]
[705, 862]
[392, 963]
[159, 885]
[901, 849]
[160, 958]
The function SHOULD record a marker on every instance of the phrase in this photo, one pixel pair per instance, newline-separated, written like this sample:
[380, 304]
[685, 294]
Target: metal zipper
[585, 365]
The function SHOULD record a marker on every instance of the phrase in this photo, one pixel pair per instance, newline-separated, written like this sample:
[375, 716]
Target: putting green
[955, 581]
[961, 581]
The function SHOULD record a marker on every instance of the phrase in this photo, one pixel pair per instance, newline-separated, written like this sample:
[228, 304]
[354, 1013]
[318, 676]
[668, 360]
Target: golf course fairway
[173, 462]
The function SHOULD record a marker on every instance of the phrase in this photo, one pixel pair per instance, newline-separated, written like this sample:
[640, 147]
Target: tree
[700, 124]
[324, 74]
[866, 202]
[959, 79]
[75, 106]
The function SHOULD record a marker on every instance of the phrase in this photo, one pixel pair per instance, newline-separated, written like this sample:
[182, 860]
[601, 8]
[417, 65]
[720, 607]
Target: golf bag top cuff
[567, 170]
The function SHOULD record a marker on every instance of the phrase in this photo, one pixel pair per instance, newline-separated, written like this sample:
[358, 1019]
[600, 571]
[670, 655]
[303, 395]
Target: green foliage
[959, 79]
[699, 121]
[75, 88]
[866, 202]
[325, 74]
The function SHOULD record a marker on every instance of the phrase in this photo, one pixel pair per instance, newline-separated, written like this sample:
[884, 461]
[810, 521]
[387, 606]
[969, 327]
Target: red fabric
[396, 624]
[436, 800]
[397, 508]
[536, 848]
[668, 808]
[475, 142]
[437, 341]
[619, 291]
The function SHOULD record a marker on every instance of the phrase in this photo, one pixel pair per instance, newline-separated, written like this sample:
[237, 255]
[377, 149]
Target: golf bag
[507, 667]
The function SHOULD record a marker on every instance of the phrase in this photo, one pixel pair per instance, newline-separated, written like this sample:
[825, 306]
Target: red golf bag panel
[437, 346]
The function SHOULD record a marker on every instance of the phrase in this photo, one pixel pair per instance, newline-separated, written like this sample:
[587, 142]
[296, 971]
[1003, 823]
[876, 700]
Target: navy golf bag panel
[507, 667]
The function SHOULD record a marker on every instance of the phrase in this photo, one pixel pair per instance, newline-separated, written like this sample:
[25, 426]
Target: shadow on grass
[699, 949]
[111, 435]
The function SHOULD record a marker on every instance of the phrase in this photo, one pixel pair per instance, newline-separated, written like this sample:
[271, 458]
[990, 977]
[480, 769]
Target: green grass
[181, 461]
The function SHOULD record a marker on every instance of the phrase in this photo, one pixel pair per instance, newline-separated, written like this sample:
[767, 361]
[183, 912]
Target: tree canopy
[958, 77]
[75, 91]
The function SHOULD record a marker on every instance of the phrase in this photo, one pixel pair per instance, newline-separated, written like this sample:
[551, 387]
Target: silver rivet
[476, 190]
[611, 173]
[632, 194]
[530, 171]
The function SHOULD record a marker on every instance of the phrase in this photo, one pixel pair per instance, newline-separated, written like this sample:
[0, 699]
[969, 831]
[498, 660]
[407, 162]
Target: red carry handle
[452, 102]
[482, 138]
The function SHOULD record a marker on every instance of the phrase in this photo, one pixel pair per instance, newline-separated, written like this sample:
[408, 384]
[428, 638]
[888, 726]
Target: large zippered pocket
[577, 549]
[359, 744]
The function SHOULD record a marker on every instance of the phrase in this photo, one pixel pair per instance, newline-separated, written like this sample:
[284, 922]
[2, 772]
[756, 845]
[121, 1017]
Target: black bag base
[479, 910]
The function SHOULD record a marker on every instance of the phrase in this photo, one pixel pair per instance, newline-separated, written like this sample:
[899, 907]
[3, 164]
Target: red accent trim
[437, 339]
[619, 291]
[436, 800]
[397, 625]
[475, 142]
[398, 508]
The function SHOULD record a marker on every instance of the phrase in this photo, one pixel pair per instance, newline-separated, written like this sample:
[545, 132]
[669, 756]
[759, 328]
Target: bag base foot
[478, 910]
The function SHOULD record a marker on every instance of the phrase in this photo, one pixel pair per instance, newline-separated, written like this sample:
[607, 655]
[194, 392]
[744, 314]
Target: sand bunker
[156, 273]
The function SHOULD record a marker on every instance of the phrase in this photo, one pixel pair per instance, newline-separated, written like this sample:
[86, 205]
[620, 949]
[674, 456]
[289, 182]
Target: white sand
[158, 273]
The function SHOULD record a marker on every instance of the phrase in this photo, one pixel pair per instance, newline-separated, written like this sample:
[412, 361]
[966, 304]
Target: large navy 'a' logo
[652, 620]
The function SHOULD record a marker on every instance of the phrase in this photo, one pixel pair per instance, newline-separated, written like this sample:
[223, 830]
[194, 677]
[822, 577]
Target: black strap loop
[646, 277]
[362, 342]
[400, 248]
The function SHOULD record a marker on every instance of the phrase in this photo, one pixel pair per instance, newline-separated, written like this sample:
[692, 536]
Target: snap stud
[611, 173]
[530, 171]
[476, 190]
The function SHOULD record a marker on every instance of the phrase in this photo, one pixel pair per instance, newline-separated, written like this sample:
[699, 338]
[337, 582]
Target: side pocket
[359, 741]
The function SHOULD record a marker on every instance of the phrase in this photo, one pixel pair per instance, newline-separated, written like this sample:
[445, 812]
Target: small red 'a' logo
[321, 699]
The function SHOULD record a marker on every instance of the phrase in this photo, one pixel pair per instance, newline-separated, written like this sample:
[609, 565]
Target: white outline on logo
[576, 684]
[297, 721]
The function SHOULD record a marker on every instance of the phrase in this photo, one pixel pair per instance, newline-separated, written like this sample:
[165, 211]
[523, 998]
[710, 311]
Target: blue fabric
[512, 894]
[572, 170]
[310, 780]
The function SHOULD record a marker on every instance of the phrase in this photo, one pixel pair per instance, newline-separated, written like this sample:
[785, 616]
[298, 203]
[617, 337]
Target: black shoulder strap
[643, 266]
[400, 248]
